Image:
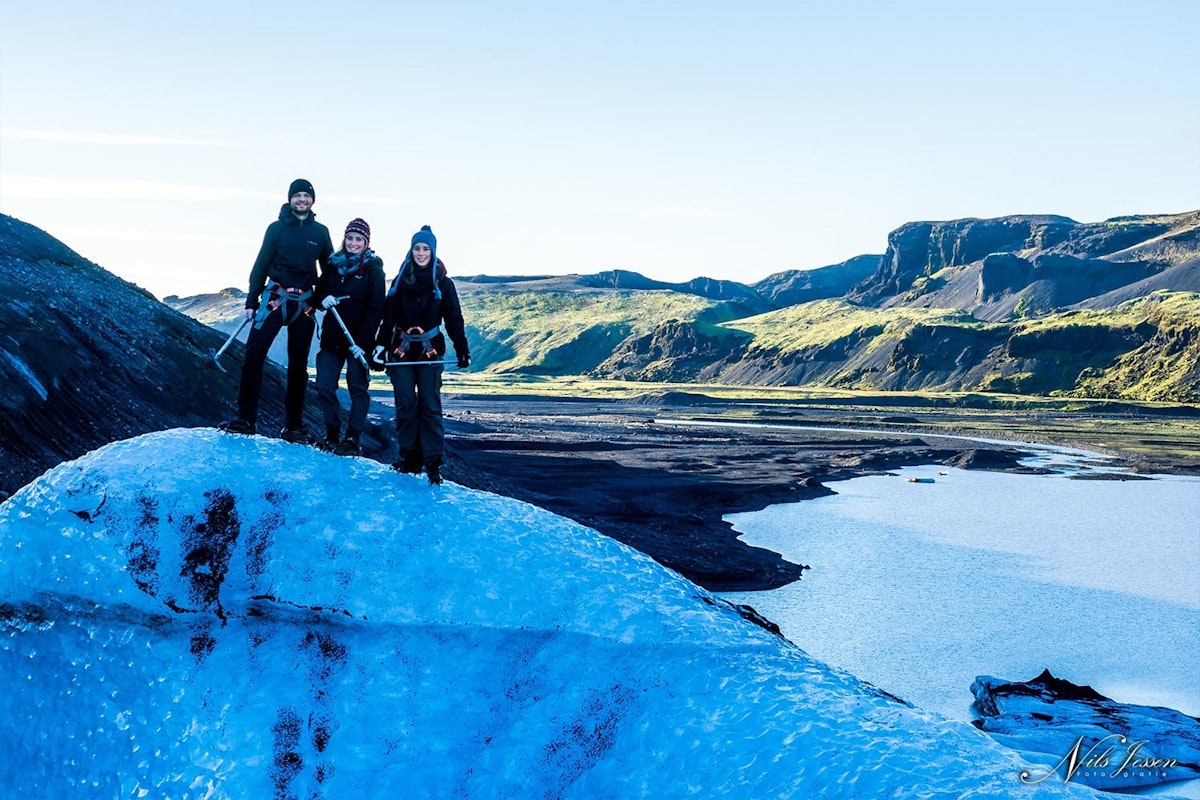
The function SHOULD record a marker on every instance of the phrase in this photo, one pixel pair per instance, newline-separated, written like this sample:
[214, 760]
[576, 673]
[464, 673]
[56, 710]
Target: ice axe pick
[217, 355]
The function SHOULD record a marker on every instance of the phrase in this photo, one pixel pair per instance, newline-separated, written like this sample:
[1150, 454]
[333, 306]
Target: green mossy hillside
[1166, 366]
[568, 332]
[1143, 349]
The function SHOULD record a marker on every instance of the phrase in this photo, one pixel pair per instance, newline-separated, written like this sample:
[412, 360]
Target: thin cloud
[141, 235]
[379, 201]
[85, 137]
[679, 212]
[43, 187]
[87, 189]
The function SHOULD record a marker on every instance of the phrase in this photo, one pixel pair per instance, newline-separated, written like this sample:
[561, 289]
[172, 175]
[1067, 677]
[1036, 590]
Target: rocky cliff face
[1026, 264]
[1049, 281]
[921, 249]
[804, 286]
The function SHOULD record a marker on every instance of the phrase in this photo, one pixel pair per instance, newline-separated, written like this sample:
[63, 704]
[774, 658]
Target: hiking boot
[409, 464]
[330, 443]
[349, 445]
[294, 435]
[238, 425]
[434, 473]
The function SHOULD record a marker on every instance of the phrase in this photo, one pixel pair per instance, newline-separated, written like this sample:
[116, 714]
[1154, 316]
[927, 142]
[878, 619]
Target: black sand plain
[660, 473]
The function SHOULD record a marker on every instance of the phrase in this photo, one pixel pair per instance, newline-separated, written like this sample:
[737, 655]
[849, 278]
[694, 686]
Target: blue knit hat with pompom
[424, 236]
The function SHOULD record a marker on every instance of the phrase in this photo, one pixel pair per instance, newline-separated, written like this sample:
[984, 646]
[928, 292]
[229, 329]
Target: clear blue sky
[677, 139]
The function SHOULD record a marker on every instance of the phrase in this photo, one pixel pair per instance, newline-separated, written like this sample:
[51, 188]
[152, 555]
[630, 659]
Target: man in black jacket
[281, 295]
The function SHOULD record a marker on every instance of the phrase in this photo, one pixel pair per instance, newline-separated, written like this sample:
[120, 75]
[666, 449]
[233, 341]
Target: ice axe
[345, 330]
[217, 355]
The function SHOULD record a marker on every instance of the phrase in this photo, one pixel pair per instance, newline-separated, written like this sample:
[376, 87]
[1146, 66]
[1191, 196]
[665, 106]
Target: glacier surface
[191, 614]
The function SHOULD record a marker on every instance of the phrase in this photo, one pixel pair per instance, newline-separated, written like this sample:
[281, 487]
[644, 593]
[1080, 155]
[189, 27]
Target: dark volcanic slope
[87, 358]
[222, 311]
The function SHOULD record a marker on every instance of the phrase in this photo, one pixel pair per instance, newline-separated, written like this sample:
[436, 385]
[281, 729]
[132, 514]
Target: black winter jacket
[412, 302]
[289, 255]
[360, 281]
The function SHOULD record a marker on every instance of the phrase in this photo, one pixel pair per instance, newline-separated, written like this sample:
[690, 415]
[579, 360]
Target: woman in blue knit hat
[421, 310]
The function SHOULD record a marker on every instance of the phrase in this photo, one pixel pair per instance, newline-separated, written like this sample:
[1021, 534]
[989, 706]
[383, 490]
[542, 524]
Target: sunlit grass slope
[567, 332]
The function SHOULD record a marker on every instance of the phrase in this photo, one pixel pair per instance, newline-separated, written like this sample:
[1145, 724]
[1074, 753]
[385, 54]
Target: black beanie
[301, 185]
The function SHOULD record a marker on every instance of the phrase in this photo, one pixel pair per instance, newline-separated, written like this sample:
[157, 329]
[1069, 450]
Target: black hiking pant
[299, 339]
[419, 427]
[329, 370]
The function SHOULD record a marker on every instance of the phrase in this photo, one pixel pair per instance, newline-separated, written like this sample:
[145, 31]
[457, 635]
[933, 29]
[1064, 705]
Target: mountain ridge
[981, 282]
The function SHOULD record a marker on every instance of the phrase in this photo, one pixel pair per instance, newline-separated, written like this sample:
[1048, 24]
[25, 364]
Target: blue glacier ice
[191, 614]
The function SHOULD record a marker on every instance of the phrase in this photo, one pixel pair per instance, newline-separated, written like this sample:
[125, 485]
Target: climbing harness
[292, 302]
[418, 335]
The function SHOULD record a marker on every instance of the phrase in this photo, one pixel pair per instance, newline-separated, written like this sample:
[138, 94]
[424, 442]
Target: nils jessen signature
[1099, 758]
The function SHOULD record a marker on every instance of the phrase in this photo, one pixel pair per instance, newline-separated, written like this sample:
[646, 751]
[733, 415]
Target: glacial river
[918, 588]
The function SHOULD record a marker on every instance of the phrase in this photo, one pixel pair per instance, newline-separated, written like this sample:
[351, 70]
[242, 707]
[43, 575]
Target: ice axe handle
[217, 355]
[417, 363]
[345, 330]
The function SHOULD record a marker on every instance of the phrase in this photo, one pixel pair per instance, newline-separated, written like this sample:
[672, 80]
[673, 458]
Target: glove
[356, 351]
[249, 313]
[329, 302]
[377, 354]
[464, 360]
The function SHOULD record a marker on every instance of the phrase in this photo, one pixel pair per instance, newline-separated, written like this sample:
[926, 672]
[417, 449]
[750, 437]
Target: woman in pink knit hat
[352, 293]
